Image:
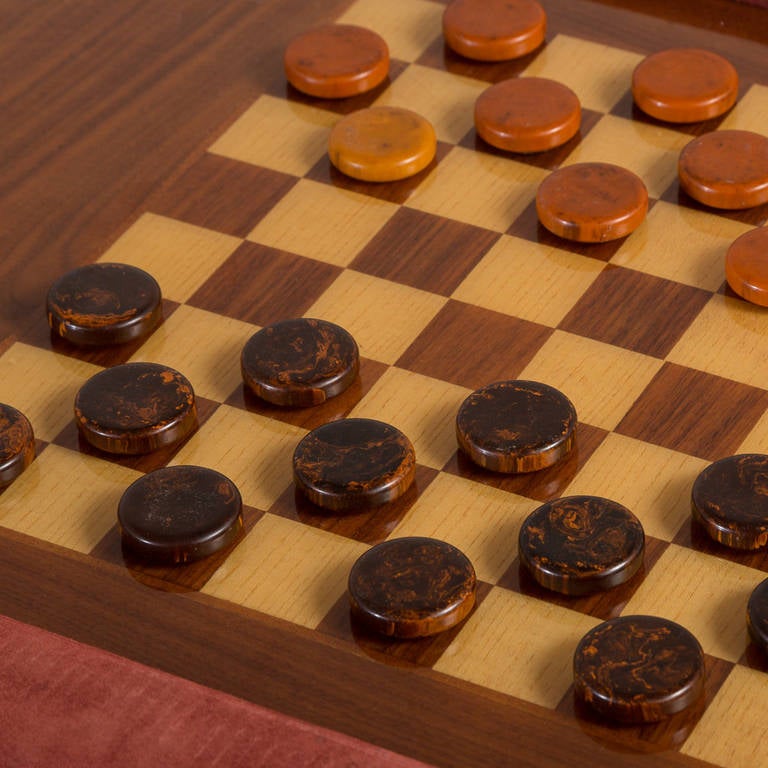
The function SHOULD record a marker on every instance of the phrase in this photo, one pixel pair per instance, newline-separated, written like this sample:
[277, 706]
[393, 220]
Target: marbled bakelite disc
[592, 202]
[581, 544]
[336, 61]
[726, 169]
[300, 362]
[730, 499]
[104, 304]
[516, 426]
[179, 514]
[412, 587]
[639, 669]
[757, 615]
[135, 408]
[685, 85]
[17, 444]
[354, 463]
[746, 266]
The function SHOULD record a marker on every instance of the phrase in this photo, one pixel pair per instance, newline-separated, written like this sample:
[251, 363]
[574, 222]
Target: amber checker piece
[142, 167]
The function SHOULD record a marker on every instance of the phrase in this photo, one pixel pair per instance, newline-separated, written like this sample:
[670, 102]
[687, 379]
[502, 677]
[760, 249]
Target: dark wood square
[694, 412]
[635, 310]
[472, 346]
[262, 285]
[425, 251]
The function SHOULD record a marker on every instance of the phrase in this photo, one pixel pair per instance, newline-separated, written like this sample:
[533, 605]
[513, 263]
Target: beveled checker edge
[746, 266]
[17, 444]
[757, 615]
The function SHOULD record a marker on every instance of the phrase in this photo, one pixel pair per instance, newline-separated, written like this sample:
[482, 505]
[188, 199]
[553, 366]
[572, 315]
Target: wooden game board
[198, 164]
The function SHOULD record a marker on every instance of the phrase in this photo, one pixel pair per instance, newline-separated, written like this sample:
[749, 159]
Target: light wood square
[681, 244]
[602, 381]
[382, 316]
[650, 151]
[66, 498]
[653, 482]
[279, 134]
[202, 345]
[483, 522]
[750, 112]
[705, 594]
[732, 324]
[255, 452]
[285, 569]
[518, 645]
[599, 74]
[180, 256]
[421, 407]
[408, 26]
[733, 729]
[323, 222]
[446, 100]
[757, 440]
[478, 188]
[42, 385]
[503, 280]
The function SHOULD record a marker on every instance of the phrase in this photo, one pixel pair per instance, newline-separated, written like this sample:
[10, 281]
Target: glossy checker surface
[17, 444]
[746, 266]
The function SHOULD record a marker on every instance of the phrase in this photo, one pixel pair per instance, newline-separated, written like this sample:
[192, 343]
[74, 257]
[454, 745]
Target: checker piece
[578, 545]
[685, 85]
[179, 514]
[336, 61]
[412, 587]
[354, 463]
[730, 499]
[494, 30]
[101, 304]
[17, 444]
[757, 615]
[746, 266]
[300, 362]
[639, 669]
[135, 408]
[527, 114]
[382, 144]
[592, 202]
[516, 426]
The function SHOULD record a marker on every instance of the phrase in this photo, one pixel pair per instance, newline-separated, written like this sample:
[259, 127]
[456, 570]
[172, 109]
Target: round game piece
[104, 304]
[726, 169]
[639, 669]
[336, 61]
[300, 362]
[135, 408]
[527, 114]
[516, 426]
[685, 85]
[412, 587]
[578, 545]
[382, 144]
[757, 615]
[494, 30]
[17, 444]
[746, 266]
[180, 514]
[353, 464]
[730, 499]
[592, 202]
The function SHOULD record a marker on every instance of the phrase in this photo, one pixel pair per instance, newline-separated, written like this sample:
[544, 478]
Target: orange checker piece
[746, 266]
[527, 114]
[336, 61]
[382, 144]
[494, 30]
[726, 169]
[592, 202]
[685, 85]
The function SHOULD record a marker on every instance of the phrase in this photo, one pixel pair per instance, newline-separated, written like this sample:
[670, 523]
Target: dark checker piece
[757, 615]
[180, 514]
[104, 304]
[412, 587]
[581, 544]
[516, 426]
[354, 463]
[135, 408]
[639, 669]
[300, 362]
[730, 499]
[17, 444]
